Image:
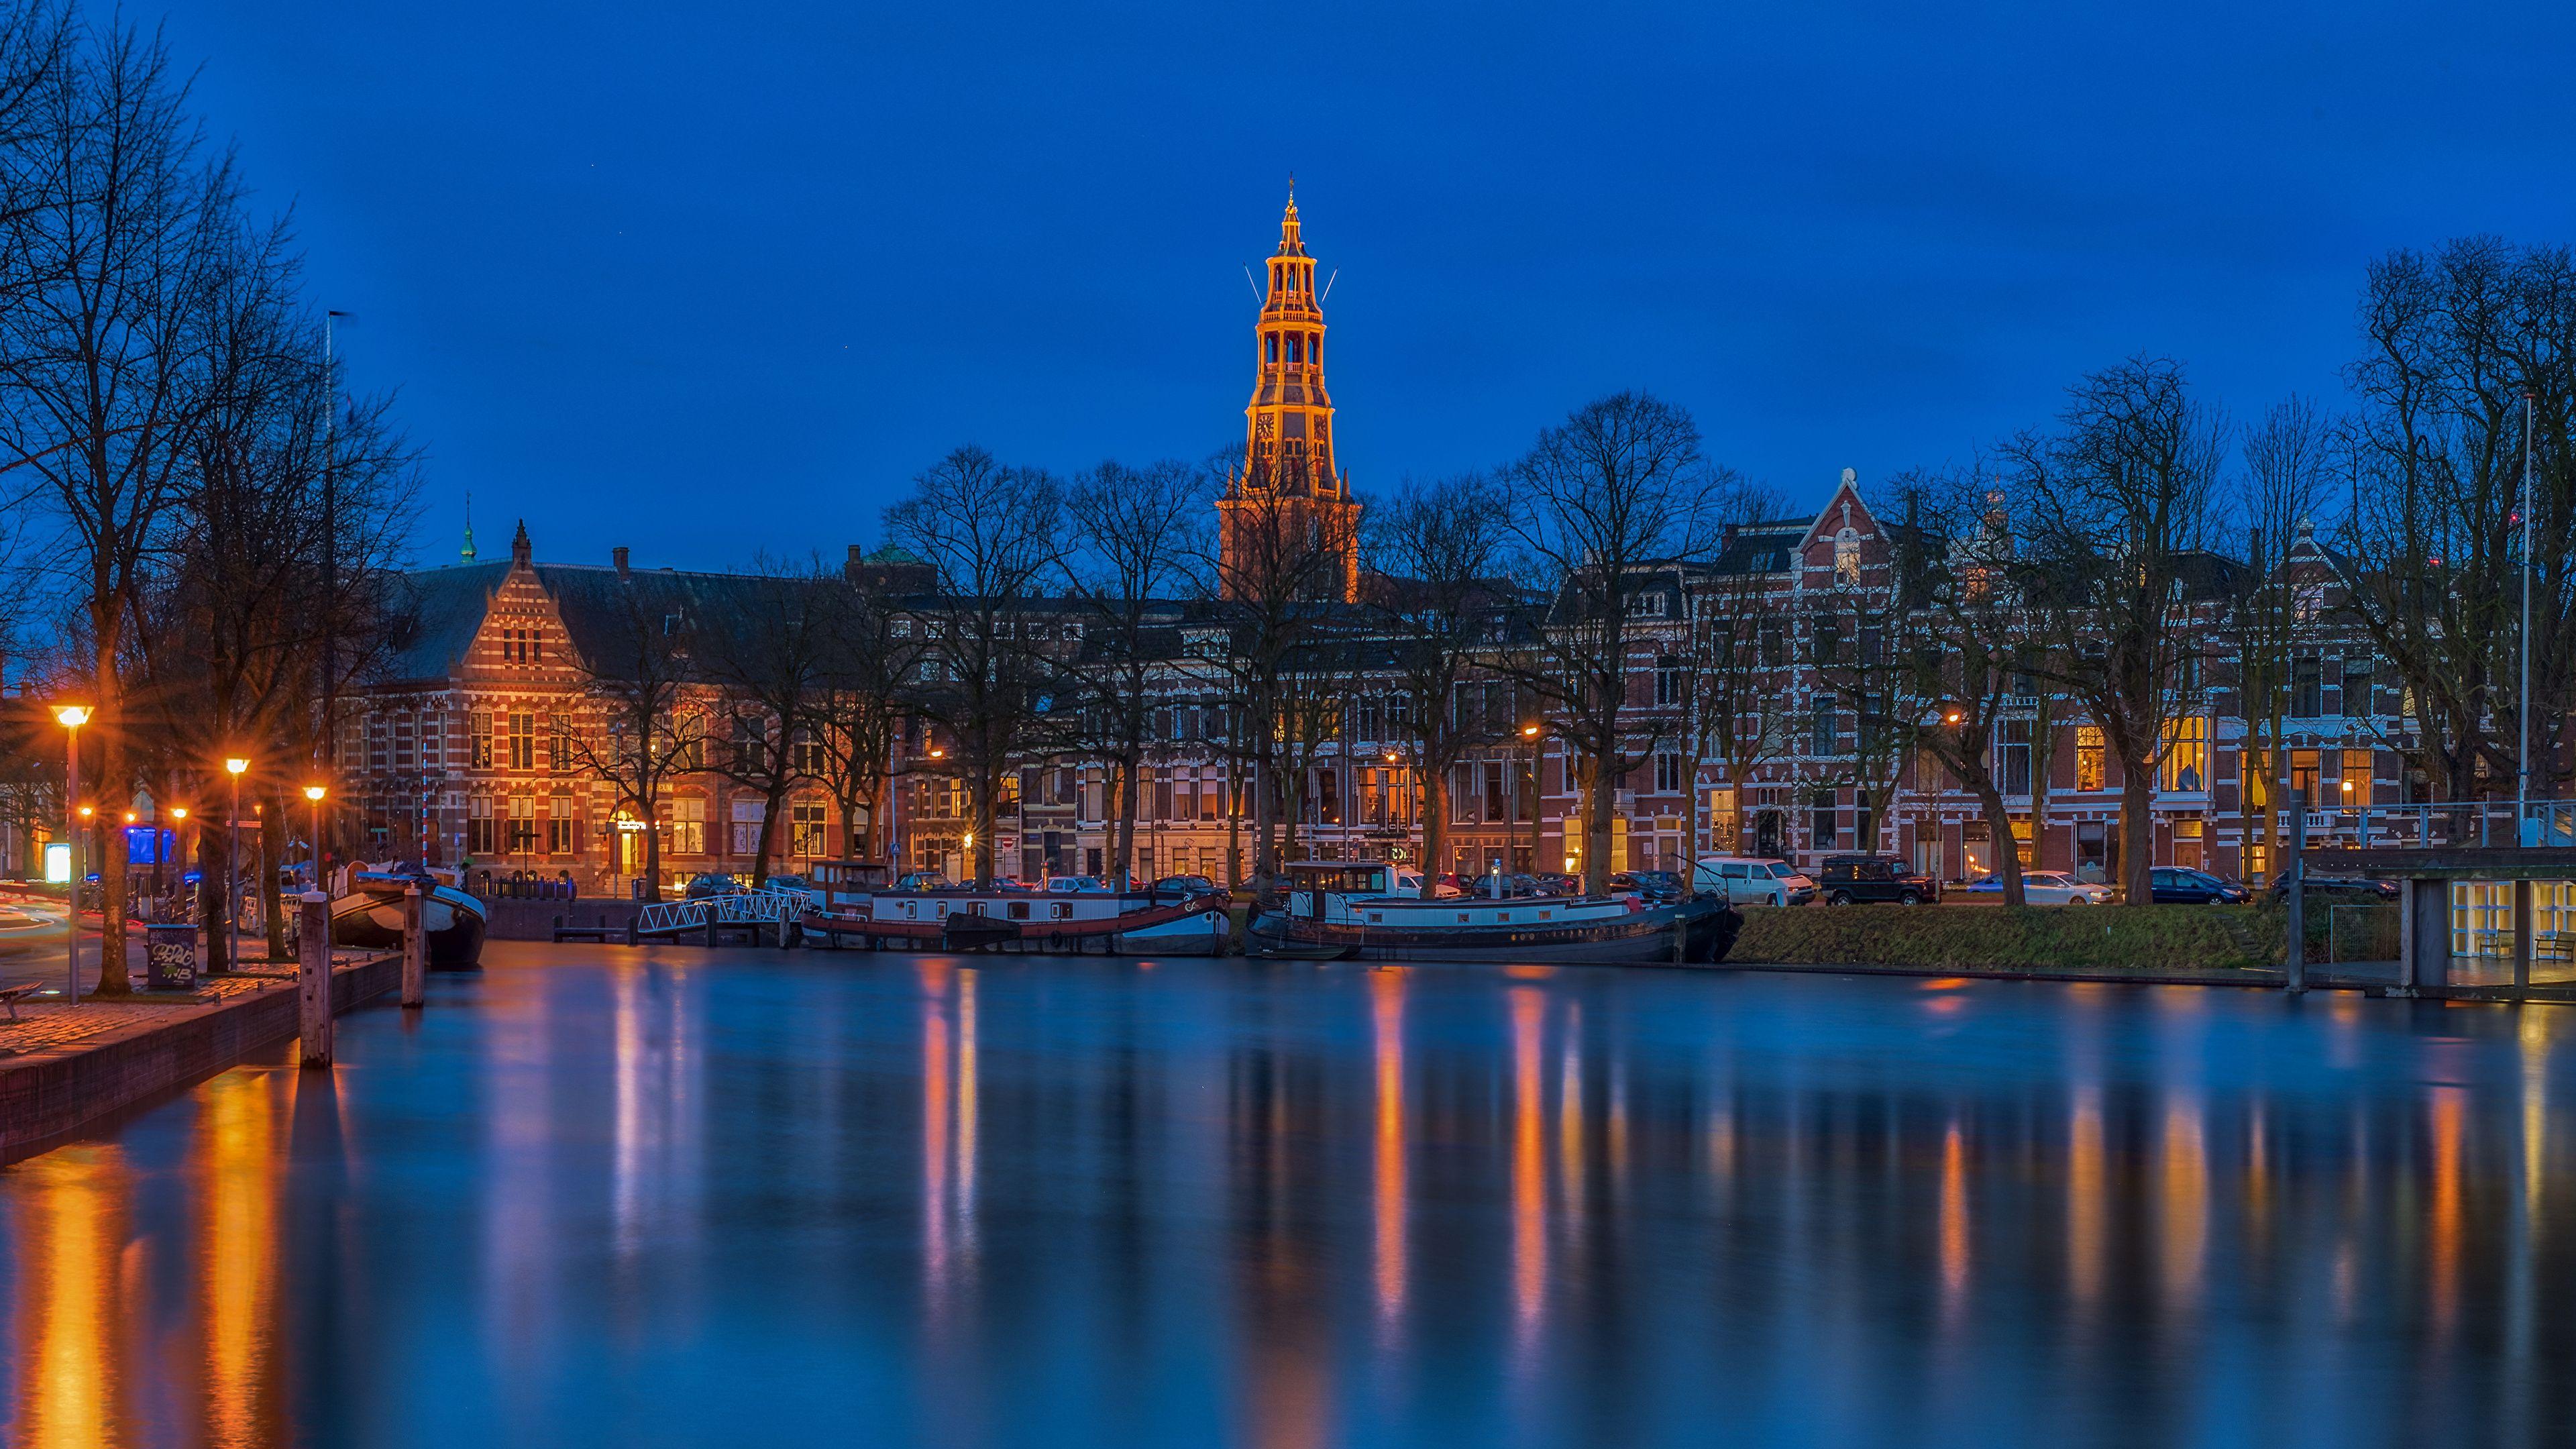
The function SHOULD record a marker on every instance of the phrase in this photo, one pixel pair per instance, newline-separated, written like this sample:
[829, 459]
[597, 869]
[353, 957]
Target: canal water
[674, 1196]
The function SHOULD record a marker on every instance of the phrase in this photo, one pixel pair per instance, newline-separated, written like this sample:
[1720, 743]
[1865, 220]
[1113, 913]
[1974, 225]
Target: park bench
[9, 995]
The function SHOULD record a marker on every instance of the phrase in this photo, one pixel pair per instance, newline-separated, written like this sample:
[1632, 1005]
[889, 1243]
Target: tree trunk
[109, 793]
[987, 787]
[2043, 758]
[1435, 826]
[652, 851]
[770, 800]
[1122, 786]
[1596, 781]
[2137, 833]
[1999, 826]
[213, 916]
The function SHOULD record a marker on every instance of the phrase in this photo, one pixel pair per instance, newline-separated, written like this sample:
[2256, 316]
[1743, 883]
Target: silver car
[1750, 881]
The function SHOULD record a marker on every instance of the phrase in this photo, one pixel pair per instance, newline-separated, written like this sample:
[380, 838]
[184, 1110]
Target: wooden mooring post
[313, 979]
[415, 950]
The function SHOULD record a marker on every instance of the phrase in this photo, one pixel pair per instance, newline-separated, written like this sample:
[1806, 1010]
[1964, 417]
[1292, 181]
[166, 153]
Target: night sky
[711, 279]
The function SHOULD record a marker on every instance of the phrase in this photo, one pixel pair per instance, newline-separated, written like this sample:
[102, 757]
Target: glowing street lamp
[235, 766]
[1530, 732]
[315, 793]
[73, 716]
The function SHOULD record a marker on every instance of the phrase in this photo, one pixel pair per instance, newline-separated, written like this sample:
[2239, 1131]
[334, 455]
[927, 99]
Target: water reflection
[69, 1236]
[722, 1197]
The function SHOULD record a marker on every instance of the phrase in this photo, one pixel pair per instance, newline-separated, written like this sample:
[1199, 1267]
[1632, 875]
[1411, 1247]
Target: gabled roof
[446, 608]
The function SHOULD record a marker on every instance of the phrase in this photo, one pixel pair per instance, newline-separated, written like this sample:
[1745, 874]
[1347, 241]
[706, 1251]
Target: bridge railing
[664, 917]
[2484, 824]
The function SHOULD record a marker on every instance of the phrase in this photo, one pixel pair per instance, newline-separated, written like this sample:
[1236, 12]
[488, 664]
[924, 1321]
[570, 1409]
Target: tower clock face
[1267, 423]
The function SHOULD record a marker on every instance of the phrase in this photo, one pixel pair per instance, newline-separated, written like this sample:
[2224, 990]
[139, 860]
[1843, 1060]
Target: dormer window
[1847, 559]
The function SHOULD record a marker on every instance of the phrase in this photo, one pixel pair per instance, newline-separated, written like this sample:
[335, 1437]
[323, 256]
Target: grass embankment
[2149, 938]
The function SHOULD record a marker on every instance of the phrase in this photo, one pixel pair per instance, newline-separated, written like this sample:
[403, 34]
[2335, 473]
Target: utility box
[170, 957]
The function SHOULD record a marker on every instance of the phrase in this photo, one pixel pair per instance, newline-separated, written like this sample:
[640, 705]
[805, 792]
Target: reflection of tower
[1288, 519]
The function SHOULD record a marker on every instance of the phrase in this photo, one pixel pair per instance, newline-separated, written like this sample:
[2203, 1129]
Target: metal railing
[752, 907]
[2484, 824]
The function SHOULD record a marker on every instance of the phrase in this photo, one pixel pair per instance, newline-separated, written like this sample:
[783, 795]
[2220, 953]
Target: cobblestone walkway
[45, 1024]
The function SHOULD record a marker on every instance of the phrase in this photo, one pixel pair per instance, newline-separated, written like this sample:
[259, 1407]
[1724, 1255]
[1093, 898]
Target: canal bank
[70, 1068]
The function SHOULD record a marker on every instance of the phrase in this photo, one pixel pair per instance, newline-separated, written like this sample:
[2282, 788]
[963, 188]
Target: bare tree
[107, 242]
[2119, 500]
[771, 656]
[1733, 654]
[1962, 586]
[1278, 573]
[1134, 532]
[875, 646]
[2453, 341]
[2288, 459]
[225, 654]
[1442, 604]
[1600, 504]
[638, 672]
[990, 534]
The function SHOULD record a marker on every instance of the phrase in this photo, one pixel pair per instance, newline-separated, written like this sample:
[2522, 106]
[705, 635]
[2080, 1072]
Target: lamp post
[73, 716]
[179, 842]
[315, 793]
[1530, 733]
[235, 767]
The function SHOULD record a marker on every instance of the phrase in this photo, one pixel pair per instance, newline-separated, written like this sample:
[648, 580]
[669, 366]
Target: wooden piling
[313, 979]
[415, 970]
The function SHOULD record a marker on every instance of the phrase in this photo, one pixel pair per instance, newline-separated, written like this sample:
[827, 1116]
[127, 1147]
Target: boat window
[1019, 910]
[1377, 917]
[1547, 915]
[1063, 910]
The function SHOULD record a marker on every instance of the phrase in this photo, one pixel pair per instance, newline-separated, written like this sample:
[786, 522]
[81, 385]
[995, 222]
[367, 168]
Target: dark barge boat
[1348, 910]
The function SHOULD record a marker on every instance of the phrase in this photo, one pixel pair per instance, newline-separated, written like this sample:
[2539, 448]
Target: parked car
[921, 880]
[1073, 884]
[799, 885]
[712, 883]
[2340, 890]
[1748, 881]
[1409, 883]
[2180, 885]
[1851, 880]
[1659, 887]
[2047, 888]
[1556, 883]
[1184, 886]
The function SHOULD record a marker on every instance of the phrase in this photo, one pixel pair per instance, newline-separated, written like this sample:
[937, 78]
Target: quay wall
[47, 1097]
[508, 920]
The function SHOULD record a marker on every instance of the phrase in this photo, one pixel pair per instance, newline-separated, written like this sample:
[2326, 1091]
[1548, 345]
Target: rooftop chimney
[619, 554]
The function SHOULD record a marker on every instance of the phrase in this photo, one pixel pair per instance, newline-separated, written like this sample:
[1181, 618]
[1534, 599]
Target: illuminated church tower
[1288, 518]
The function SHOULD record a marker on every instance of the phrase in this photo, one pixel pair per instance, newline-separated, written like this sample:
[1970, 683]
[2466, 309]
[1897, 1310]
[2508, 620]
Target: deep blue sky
[706, 279]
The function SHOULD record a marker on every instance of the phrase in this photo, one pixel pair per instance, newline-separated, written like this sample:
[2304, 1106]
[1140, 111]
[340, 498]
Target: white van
[1750, 882]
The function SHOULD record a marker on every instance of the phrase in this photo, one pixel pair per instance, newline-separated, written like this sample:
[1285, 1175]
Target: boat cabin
[1342, 877]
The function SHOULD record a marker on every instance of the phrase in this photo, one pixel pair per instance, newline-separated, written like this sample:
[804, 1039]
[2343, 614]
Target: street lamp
[1530, 733]
[234, 766]
[315, 793]
[73, 716]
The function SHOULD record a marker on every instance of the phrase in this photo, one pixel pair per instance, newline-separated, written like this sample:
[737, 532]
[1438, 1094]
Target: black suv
[1848, 880]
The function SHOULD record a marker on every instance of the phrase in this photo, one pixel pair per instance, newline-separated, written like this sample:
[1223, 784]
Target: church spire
[467, 552]
[1289, 473]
